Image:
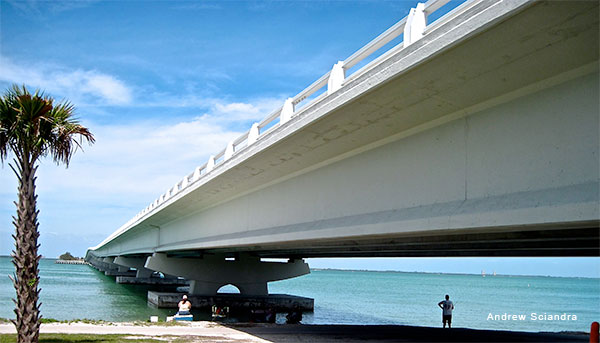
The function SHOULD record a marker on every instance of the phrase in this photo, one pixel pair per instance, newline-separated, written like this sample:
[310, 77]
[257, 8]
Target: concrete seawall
[279, 302]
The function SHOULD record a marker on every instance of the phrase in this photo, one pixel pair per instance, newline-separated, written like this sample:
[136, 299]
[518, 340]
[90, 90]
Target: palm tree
[31, 126]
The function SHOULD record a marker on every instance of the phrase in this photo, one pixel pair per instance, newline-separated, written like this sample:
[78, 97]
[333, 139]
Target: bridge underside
[508, 242]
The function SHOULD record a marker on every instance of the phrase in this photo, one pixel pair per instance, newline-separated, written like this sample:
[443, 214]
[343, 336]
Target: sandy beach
[220, 333]
[196, 331]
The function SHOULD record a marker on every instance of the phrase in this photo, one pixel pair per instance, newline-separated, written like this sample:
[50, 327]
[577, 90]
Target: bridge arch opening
[228, 289]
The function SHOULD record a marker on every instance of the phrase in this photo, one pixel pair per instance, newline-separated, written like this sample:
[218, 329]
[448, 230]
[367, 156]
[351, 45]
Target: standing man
[447, 306]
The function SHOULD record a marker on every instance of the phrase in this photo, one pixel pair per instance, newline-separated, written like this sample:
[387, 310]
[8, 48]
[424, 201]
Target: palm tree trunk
[25, 256]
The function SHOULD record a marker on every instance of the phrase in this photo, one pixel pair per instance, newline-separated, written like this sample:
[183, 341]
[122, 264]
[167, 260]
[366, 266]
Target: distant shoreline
[440, 273]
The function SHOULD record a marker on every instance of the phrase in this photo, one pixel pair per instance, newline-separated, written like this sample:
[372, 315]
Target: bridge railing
[412, 28]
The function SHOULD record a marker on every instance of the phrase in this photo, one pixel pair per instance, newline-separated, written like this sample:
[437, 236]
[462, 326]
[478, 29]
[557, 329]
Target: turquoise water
[343, 297]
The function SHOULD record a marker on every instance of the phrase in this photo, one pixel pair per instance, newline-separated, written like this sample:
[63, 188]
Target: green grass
[84, 320]
[99, 322]
[81, 338]
[95, 338]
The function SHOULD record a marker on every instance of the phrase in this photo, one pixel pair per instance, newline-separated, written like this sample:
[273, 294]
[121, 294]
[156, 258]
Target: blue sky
[165, 84]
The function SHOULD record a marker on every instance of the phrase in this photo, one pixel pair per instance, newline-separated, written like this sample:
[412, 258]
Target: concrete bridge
[477, 135]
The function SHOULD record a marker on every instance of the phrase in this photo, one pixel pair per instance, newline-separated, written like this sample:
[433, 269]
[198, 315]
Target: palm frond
[32, 125]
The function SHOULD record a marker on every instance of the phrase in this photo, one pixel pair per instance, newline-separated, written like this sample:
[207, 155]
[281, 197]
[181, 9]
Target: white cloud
[40, 8]
[138, 161]
[242, 112]
[130, 164]
[107, 86]
[217, 111]
[80, 86]
[128, 167]
[236, 107]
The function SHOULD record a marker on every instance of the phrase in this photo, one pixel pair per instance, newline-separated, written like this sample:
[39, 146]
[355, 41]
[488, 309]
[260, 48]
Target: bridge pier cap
[135, 262]
[209, 273]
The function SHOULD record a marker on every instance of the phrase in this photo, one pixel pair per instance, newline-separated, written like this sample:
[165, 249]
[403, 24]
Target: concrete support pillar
[95, 262]
[259, 288]
[248, 273]
[203, 287]
[137, 263]
[109, 266]
[143, 273]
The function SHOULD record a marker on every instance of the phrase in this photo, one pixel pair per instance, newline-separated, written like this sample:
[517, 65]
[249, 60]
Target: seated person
[184, 306]
[220, 312]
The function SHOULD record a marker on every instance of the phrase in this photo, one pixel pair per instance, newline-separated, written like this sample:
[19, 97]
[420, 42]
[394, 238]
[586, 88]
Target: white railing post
[184, 182]
[253, 134]
[196, 176]
[336, 77]
[228, 151]
[287, 111]
[211, 163]
[415, 24]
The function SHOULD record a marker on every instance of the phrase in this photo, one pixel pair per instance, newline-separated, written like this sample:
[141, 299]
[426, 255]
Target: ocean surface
[345, 297]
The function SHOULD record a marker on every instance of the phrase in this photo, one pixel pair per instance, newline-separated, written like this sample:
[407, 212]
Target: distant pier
[80, 261]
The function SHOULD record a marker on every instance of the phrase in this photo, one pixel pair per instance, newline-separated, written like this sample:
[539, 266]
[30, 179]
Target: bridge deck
[478, 139]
